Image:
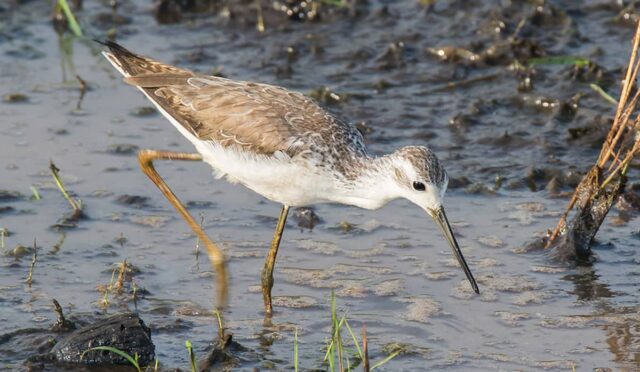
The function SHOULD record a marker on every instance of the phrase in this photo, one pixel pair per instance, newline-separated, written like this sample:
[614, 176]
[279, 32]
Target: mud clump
[15, 98]
[122, 149]
[126, 332]
[306, 218]
[134, 201]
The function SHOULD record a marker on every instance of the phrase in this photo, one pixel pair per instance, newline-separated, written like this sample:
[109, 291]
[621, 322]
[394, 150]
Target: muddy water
[513, 140]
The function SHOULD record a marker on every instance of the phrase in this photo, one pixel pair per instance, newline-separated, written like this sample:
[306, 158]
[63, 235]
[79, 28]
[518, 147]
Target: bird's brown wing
[257, 117]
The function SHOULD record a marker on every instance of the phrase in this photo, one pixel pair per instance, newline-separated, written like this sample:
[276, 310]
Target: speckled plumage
[256, 117]
[238, 124]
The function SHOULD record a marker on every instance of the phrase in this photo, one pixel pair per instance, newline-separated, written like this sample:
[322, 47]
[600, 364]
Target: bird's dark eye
[419, 186]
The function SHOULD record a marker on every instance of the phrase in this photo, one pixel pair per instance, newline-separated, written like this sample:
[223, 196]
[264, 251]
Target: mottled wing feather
[258, 117]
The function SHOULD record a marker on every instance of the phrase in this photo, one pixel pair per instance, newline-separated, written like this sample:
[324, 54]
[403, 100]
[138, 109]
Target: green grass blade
[355, 340]
[36, 194]
[330, 351]
[603, 94]
[192, 356]
[73, 23]
[383, 361]
[559, 60]
[219, 317]
[348, 361]
[333, 311]
[336, 3]
[333, 342]
[56, 177]
[329, 347]
[128, 357]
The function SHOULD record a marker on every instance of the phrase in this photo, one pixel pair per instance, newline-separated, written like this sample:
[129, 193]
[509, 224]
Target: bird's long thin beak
[441, 219]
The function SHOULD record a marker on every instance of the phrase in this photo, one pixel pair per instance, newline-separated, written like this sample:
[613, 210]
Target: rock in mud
[122, 149]
[126, 332]
[7, 196]
[143, 111]
[6, 209]
[134, 201]
[306, 218]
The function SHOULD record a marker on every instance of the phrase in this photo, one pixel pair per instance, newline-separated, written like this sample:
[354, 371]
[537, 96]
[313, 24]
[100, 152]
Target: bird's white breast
[276, 177]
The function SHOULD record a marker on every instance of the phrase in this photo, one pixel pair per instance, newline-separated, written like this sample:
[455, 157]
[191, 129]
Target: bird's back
[257, 118]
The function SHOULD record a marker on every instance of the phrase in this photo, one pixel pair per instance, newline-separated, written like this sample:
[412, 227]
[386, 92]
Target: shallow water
[393, 271]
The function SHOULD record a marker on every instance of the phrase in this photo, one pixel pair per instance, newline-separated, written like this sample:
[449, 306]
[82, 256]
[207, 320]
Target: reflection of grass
[260, 20]
[73, 23]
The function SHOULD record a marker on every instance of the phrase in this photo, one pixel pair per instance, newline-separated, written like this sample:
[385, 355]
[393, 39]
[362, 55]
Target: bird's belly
[277, 178]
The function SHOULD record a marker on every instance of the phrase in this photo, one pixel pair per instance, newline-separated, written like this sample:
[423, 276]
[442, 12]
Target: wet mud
[500, 91]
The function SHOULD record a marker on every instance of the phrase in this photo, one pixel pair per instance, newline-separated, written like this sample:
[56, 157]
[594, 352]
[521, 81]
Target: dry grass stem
[619, 148]
[122, 270]
[83, 91]
[76, 205]
[33, 263]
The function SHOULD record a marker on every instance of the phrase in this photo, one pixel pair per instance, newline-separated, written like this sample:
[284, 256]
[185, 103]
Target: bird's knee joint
[267, 280]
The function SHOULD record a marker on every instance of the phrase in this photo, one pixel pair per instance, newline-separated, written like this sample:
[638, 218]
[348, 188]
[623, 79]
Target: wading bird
[283, 146]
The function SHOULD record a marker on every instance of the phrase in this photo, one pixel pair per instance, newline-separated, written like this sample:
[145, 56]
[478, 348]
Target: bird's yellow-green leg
[146, 158]
[270, 261]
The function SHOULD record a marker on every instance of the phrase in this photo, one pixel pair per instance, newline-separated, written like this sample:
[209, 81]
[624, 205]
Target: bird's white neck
[373, 186]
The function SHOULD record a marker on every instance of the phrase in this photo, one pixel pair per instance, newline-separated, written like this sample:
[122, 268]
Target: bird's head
[421, 179]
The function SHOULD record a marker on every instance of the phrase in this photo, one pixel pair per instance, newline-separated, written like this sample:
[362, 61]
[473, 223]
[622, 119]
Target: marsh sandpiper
[282, 145]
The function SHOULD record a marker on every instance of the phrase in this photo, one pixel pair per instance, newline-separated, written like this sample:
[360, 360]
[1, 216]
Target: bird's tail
[130, 64]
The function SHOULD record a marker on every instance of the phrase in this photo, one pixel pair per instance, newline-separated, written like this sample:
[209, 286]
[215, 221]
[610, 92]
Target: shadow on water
[586, 284]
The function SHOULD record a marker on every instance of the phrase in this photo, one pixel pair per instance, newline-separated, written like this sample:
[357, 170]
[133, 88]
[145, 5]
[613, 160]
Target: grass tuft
[337, 354]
